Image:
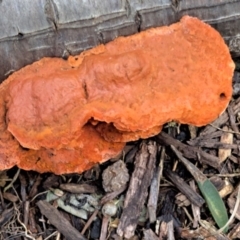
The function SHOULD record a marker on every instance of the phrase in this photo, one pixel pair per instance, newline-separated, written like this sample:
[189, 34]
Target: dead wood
[195, 209]
[154, 189]
[221, 120]
[193, 196]
[5, 216]
[78, 188]
[110, 196]
[60, 222]
[138, 186]
[149, 235]
[189, 151]
[232, 120]
[206, 137]
[216, 144]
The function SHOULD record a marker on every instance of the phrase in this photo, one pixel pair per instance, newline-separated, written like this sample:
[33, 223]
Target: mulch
[145, 193]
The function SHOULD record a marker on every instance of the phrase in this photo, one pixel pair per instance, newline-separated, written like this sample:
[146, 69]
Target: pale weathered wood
[30, 30]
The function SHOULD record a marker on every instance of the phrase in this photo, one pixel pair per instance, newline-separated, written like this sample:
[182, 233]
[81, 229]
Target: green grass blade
[215, 203]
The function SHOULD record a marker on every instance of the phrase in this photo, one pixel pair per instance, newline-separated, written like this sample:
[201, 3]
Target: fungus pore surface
[65, 116]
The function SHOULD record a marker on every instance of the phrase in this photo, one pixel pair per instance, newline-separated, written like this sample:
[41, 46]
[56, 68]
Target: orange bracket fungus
[65, 116]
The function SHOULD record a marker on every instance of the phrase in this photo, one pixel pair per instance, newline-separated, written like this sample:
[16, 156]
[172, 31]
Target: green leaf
[214, 202]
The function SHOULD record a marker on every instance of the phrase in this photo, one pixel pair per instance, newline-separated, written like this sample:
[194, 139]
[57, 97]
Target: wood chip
[78, 188]
[60, 222]
[154, 190]
[138, 186]
[189, 151]
[193, 196]
[227, 138]
[149, 235]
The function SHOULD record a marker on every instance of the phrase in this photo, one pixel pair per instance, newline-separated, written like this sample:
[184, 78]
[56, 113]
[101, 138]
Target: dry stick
[26, 206]
[153, 196]
[58, 236]
[42, 220]
[39, 194]
[222, 130]
[210, 131]
[192, 196]
[32, 220]
[221, 120]
[199, 139]
[13, 180]
[90, 220]
[22, 224]
[162, 231]
[154, 190]
[189, 151]
[149, 235]
[51, 235]
[78, 188]
[23, 190]
[110, 196]
[170, 232]
[2, 199]
[233, 213]
[6, 215]
[59, 221]
[24, 197]
[232, 118]
[137, 193]
[34, 189]
[210, 193]
[195, 209]
[187, 214]
[210, 144]
[223, 175]
[104, 228]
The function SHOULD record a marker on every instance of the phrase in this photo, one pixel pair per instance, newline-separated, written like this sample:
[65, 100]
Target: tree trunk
[30, 30]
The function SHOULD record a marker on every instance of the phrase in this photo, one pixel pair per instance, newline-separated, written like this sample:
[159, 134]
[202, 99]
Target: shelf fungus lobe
[65, 116]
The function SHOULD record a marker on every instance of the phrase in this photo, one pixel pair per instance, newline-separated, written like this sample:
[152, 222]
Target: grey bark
[30, 30]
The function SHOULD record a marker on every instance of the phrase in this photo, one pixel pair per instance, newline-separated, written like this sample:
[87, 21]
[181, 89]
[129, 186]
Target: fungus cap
[114, 93]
